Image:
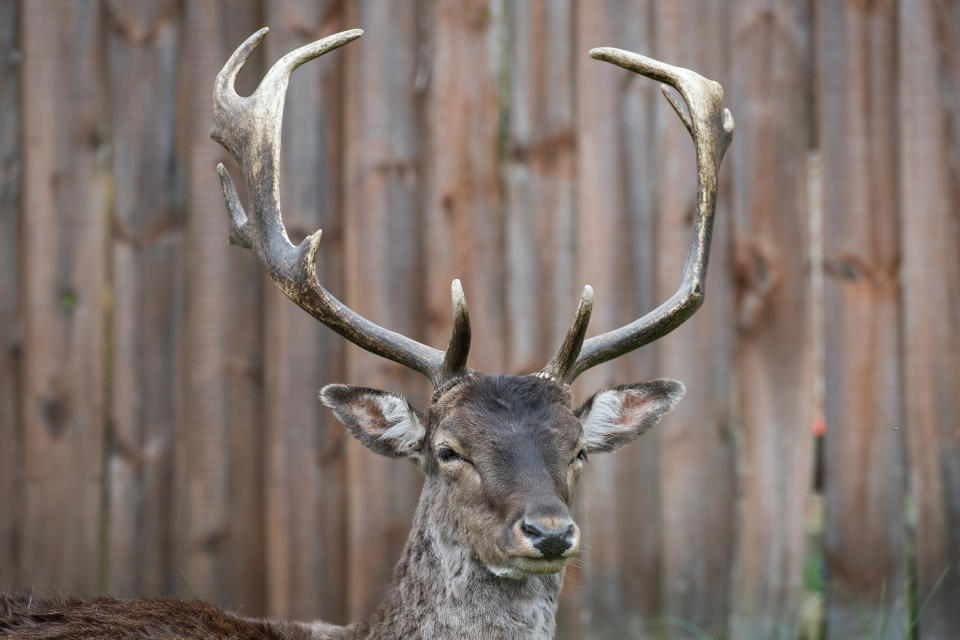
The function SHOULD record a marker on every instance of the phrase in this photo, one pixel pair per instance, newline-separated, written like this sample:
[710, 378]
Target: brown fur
[30, 617]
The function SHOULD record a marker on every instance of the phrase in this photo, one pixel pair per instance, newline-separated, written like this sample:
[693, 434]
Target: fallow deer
[501, 454]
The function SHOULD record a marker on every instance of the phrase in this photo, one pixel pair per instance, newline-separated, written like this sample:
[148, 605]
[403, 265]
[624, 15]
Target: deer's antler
[711, 127]
[249, 128]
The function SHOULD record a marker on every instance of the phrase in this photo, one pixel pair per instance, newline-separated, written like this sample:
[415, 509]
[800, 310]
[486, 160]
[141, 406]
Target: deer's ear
[383, 422]
[619, 415]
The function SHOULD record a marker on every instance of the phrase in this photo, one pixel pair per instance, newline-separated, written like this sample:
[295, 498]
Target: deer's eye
[581, 456]
[446, 454]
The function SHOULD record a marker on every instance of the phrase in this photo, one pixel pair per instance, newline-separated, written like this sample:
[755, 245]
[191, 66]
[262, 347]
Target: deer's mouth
[539, 566]
[520, 567]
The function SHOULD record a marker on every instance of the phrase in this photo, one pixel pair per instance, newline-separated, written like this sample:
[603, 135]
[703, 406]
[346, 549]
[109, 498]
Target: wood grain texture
[769, 89]
[246, 588]
[384, 270]
[142, 58]
[929, 114]
[538, 109]
[697, 450]
[462, 202]
[478, 140]
[64, 256]
[306, 481]
[202, 448]
[11, 328]
[617, 160]
[864, 475]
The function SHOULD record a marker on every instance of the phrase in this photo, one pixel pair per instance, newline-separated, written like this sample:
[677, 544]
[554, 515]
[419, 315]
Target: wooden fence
[159, 426]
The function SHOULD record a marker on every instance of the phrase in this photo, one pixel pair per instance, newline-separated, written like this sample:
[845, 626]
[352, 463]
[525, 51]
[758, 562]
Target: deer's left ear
[619, 415]
[382, 421]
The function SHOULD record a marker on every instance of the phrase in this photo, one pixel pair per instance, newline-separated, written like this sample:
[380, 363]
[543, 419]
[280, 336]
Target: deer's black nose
[551, 542]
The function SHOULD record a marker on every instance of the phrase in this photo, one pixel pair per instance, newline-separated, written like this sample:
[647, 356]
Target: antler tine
[563, 360]
[455, 359]
[711, 127]
[249, 128]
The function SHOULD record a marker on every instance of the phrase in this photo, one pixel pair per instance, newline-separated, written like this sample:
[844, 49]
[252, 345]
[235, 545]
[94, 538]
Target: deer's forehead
[506, 432]
[505, 411]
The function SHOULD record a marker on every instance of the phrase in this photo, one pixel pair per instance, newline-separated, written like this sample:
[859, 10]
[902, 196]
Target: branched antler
[249, 128]
[711, 127]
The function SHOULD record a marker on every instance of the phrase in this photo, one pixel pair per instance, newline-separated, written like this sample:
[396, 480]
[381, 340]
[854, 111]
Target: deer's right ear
[382, 421]
[619, 415]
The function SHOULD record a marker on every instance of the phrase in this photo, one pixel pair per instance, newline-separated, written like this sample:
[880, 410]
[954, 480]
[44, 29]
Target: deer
[501, 454]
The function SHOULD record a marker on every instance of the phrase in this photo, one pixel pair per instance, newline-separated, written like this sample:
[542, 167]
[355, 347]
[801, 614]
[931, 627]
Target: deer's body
[29, 617]
[502, 454]
[440, 592]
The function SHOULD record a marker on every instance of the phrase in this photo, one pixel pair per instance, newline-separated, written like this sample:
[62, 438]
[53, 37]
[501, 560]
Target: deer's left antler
[711, 127]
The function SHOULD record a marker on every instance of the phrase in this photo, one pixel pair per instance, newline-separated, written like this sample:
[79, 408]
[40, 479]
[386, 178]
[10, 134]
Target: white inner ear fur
[405, 430]
[606, 417]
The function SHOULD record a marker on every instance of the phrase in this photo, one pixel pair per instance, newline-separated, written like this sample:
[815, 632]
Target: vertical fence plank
[697, 455]
[147, 235]
[863, 455]
[219, 477]
[616, 195]
[306, 460]
[384, 271]
[539, 157]
[243, 374]
[64, 266]
[203, 460]
[11, 351]
[463, 224]
[929, 114]
[769, 91]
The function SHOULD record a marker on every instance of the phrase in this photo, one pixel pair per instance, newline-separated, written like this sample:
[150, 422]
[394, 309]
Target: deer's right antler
[711, 127]
[249, 128]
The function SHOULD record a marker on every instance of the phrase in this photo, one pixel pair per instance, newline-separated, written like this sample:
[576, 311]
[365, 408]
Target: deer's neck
[441, 591]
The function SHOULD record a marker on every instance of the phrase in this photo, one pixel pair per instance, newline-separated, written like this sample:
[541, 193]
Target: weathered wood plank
[384, 271]
[463, 228]
[863, 454]
[203, 461]
[929, 72]
[64, 256]
[617, 156]
[11, 329]
[769, 92]
[243, 374]
[306, 481]
[697, 455]
[538, 172]
[147, 235]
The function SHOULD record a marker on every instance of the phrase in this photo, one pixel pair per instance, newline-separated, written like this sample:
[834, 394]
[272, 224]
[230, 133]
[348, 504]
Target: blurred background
[160, 431]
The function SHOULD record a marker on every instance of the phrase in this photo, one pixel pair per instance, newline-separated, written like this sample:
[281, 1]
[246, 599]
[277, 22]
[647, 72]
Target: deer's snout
[550, 539]
[547, 533]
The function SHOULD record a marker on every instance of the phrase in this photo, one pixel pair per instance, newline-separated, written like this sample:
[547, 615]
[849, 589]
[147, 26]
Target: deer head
[502, 454]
